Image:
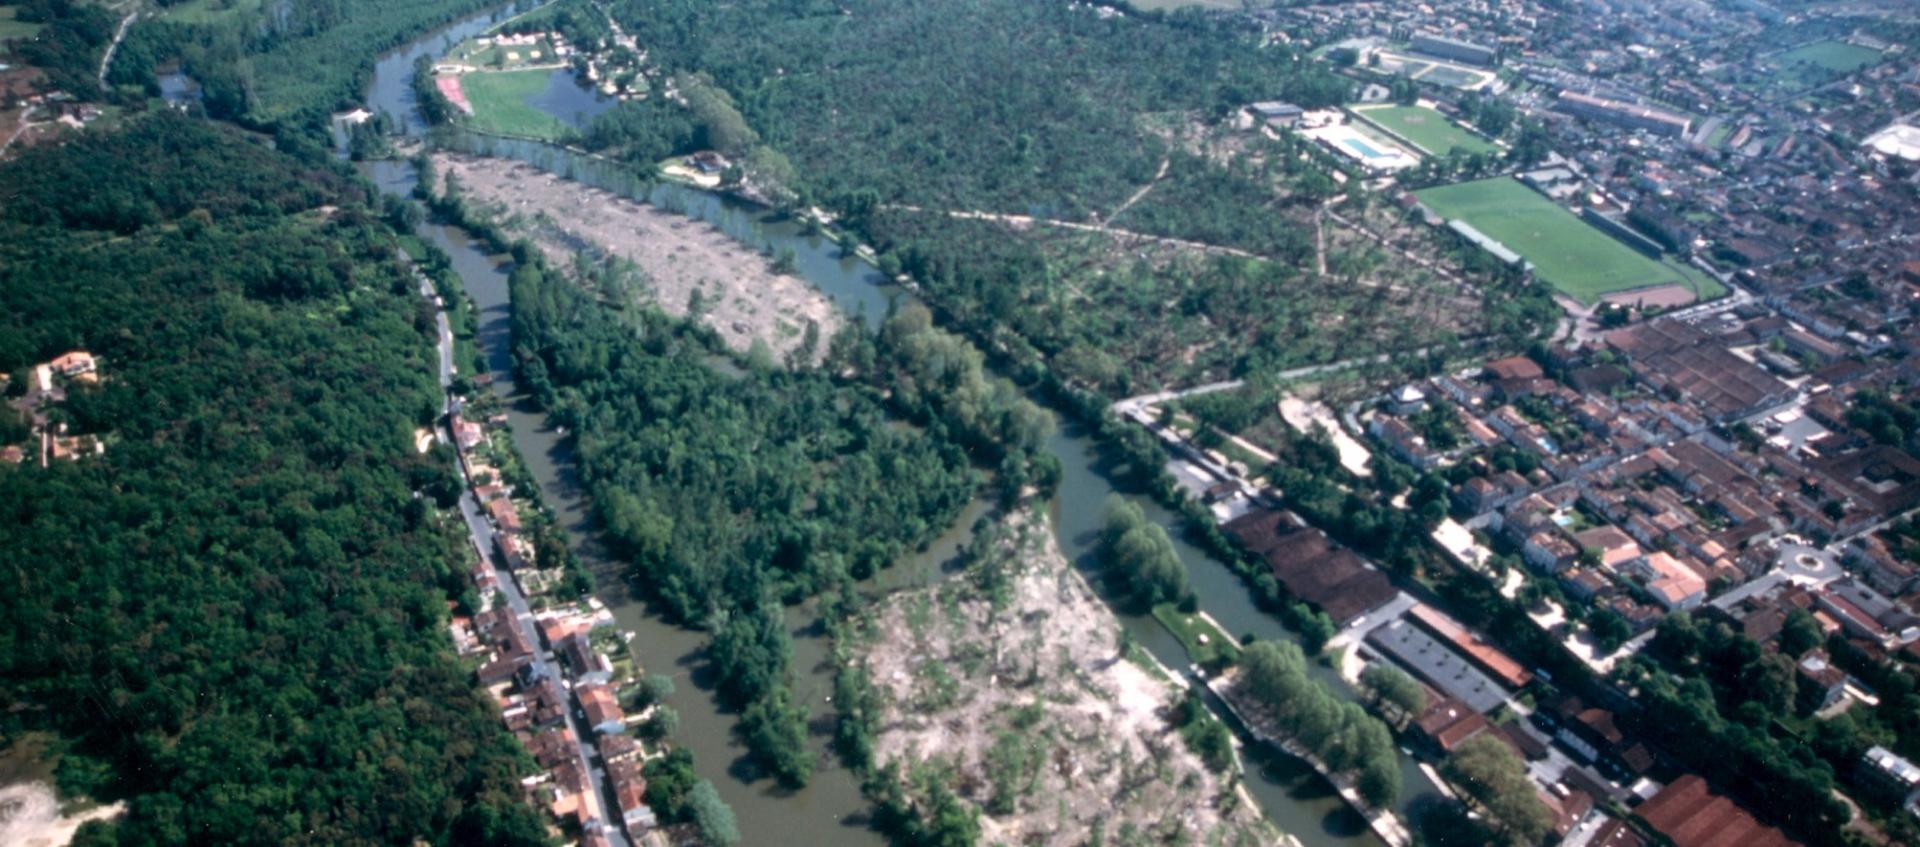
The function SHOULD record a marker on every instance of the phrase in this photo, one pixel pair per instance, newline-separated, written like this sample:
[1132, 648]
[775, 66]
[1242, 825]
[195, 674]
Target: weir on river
[830, 810]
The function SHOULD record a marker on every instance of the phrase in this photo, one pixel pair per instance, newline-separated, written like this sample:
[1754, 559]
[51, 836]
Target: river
[830, 810]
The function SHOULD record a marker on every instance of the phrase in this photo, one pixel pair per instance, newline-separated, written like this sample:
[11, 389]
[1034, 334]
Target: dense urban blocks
[1567, 253]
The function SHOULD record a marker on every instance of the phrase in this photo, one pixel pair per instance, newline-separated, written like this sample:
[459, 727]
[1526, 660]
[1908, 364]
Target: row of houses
[568, 668]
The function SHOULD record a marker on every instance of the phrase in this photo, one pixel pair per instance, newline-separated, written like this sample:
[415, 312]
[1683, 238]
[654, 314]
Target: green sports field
[500, 105]
[1824, 61]
[1424, 128]
[1566, 252]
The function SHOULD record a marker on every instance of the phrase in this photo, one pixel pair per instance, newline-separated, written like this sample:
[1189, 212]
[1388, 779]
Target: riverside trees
[1338, 732]
[1140, 559]
[1496, 781]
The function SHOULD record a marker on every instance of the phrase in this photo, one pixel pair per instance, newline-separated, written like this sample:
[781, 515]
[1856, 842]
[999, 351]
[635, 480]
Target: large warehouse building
[1624, 114]
[1442, 47]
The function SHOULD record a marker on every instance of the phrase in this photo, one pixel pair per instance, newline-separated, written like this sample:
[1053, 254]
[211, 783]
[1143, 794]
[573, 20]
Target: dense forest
[235, 617]
[281, 65]
[72, 37]
[884, 98]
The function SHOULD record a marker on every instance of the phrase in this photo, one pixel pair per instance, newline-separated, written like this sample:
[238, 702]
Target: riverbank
[1383, 822]
[684, 266]
[1015, 678]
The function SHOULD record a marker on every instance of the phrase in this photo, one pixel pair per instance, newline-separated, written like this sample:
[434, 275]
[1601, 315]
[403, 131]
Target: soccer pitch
[500, 103]
[1824, 61]
[1566, 252]
[1423, 128]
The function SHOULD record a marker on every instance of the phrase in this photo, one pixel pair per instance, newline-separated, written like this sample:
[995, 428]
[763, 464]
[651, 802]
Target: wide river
[830, 810]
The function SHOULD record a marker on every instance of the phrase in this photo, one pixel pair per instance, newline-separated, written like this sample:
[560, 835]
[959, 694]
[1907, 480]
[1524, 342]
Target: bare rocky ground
[743, 298]
[1011, 674]
[30, 816]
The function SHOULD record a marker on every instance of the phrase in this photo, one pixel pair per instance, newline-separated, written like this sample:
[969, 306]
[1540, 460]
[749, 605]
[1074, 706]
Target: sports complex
[1423, 128]
[1375, 153]
[1565, 251]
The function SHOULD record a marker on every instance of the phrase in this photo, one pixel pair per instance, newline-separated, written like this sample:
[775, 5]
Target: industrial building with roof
[1438, 665]
[1625, 114]
[1440, 46]
[1311, 567]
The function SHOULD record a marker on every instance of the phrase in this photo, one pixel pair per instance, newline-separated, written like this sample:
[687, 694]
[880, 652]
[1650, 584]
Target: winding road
[119, 35]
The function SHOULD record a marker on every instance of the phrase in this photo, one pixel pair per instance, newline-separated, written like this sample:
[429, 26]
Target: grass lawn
[1220, 647]
[1567, 253]
[504, 58]
[207, 11]
[11, 28]
[1824, 61]
[500, 105]
[1424, 128]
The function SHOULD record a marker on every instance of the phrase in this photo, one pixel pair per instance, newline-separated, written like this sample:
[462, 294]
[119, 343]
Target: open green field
[1824, 61]
[1566, 252]
[12, 28]
[208, 11]
[1424, 128]
[1218, 647]
[504, 58]
[500, 105]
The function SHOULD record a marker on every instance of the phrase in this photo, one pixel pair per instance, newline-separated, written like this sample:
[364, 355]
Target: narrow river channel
[830, 811]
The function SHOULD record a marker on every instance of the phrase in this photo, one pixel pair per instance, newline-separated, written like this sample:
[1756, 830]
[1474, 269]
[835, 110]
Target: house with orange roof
[73, 363]
[602, 708]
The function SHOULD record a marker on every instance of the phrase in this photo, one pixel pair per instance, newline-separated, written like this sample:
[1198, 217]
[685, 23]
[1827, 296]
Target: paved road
[1029, 220]
[480, 530]
[1133, 404]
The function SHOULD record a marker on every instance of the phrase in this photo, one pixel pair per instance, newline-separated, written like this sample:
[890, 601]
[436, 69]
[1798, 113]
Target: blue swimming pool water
[1366, 150]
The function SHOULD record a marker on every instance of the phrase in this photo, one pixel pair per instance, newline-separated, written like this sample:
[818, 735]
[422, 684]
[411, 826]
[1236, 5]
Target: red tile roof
[1691, 815]
[1485, 656]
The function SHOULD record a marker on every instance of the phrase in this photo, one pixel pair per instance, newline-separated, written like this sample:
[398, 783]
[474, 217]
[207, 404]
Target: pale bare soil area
[742, 297]
[30, 816]
[1011, 674]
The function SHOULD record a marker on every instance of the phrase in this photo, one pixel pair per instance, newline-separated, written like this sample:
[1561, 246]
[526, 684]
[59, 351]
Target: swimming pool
[1366, 151]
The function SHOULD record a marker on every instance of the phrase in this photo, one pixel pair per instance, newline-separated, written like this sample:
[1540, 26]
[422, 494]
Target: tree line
[1338, 732]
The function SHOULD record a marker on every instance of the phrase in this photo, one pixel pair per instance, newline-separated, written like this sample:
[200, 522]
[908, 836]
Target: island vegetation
[734, 494]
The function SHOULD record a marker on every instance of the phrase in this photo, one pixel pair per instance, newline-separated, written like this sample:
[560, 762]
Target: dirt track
[1033, 658]
[743, 298]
